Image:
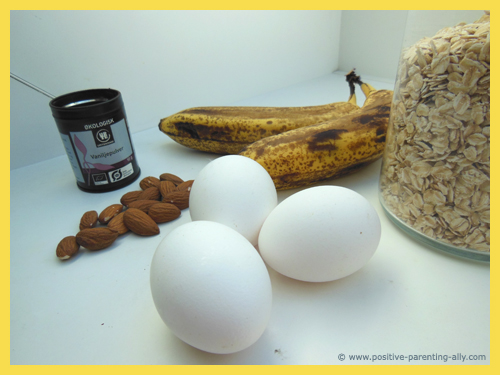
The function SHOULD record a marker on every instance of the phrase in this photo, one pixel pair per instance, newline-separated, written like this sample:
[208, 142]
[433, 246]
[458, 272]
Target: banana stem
[366, 88]
[351, 79]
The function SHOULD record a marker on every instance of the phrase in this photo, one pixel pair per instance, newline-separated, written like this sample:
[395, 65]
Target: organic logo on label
[103, 135]
[116, 175]
[100, 179]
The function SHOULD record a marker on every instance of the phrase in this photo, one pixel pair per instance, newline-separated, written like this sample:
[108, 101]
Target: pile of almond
[160, 200]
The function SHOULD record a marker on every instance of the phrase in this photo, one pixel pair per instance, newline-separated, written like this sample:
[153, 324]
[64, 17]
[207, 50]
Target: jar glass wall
[435, 177]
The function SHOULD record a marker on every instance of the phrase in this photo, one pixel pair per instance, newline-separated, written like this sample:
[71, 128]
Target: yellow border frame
[5, 167]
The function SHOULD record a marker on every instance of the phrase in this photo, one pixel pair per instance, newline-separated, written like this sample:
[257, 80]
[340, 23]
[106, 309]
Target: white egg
[211, 287]
[320, 234]
[235, 191]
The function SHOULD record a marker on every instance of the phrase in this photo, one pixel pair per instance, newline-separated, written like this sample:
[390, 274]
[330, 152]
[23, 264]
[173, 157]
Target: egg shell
[320, 234]
[211, 287]
[235, 191]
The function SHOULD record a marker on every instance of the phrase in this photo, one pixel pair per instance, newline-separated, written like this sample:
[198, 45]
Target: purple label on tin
[104, 149]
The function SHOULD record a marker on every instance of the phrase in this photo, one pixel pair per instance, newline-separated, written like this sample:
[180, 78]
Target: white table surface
[97, 308]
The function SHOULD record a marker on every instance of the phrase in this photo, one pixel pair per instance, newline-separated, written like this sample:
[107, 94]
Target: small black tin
[94, 131]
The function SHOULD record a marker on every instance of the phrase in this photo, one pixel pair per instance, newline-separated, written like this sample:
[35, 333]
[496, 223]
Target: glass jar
[435, 177]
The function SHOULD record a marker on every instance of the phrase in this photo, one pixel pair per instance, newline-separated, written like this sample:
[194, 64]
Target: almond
[152, 194]
[130, 197]
[171, 177]
[177, 198]
[110, 212]
[117, 224]
[167, 187]
[148, 182]
[89, 220]
[164, 212]
[142, 205]
[186, 185]
[140, 223]
[96, 238]
[67, 248]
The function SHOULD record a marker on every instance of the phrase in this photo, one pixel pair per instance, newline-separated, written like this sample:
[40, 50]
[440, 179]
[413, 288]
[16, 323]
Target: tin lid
[86, 104]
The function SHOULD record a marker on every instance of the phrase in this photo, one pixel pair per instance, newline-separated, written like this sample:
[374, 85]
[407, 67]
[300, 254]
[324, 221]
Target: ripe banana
[334, 148]
[226, 130]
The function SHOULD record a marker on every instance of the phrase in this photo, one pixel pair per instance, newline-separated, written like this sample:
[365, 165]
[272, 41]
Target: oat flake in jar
[435, 178]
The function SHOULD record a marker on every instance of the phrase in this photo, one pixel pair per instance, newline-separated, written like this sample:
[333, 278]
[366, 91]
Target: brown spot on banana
[323, 140]
[331, 149]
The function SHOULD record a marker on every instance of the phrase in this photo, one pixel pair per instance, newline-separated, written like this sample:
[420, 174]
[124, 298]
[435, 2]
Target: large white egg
[211, 287]
[320, 234]
[235, 191]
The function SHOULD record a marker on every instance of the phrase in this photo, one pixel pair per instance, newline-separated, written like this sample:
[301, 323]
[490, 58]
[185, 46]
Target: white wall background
[166, 61]
[371, 41]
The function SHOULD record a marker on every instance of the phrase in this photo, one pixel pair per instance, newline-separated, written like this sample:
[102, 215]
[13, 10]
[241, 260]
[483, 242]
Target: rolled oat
[436, 167]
